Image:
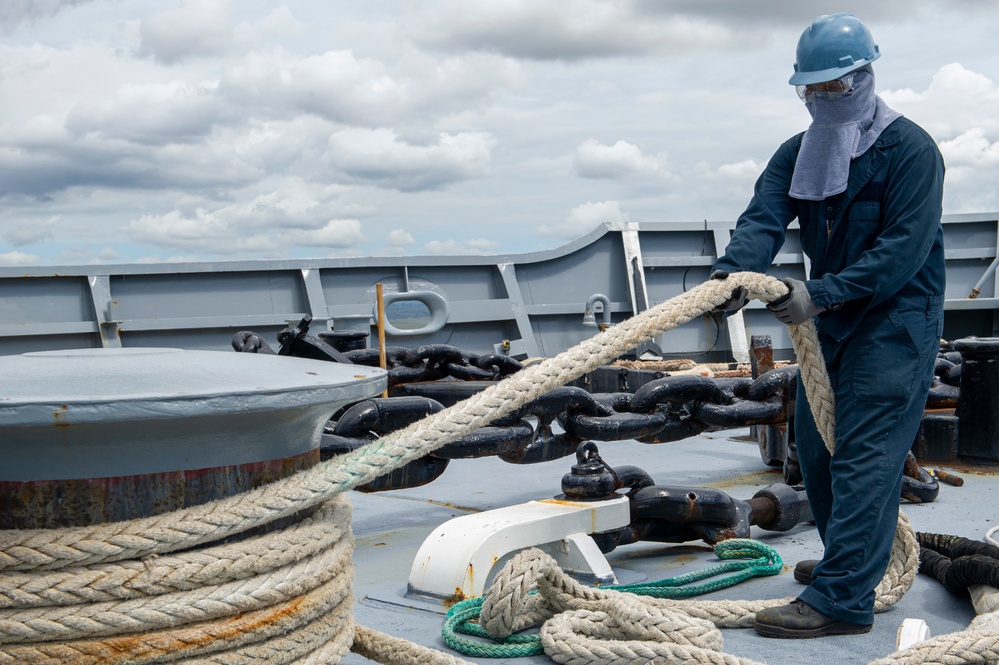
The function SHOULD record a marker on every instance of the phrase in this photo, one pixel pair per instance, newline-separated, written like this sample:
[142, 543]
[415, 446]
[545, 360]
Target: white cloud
[972, 149]
[180, 230]
[335, 233]
[956, 99]
[583, 219]
[566, 30]
[31, 231]
[400, 238]
[51, 81]
[42, 170]
[396, 242]
[380, 158]
[972, 162]
[482, 245]
[14, 12]
[107, 254]
[199, 28]
[340, 86]
[169, 259]
[795, 13]
[335, 85]
[455, 247]
[247, 127]
[263, 226]
[280, 22]
[957, 108]
[18, 259]
[746, 169]
[150, 113]
[621, 160]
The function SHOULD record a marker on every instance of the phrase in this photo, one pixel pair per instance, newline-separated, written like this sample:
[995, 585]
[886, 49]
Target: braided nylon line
[317, 626]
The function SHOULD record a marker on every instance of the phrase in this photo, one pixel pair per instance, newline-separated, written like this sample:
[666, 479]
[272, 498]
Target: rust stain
[375, 540]
[41, 504]
[563, 502]
[679, 560]
[130, 647]
[693, 510]
[58, 415]
[970, 469]
[948, 478]
[726, 534]
[454, 598]
[753, 478]
[448, 504]
[458, 595]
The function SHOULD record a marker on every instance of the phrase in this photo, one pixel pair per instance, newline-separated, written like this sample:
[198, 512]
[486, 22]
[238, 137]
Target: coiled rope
[746, 558]
[108, 594]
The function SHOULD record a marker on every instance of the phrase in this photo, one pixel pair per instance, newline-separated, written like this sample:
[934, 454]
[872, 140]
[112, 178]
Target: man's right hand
[738, 299]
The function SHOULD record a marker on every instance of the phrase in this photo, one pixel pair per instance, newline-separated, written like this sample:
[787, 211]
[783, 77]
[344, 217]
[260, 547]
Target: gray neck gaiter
[841, 130]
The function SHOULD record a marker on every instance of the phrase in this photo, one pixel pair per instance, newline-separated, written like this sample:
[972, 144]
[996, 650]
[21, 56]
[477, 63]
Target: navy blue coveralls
[878, 269]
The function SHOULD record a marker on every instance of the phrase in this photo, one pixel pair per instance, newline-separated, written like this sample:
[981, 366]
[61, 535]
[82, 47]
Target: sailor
[866, 186]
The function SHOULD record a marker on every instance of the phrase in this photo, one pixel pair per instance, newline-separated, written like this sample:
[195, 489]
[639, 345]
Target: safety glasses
[826, 90]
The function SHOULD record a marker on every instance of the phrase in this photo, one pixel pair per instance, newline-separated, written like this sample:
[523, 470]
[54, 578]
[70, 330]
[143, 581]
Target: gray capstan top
[98, 413]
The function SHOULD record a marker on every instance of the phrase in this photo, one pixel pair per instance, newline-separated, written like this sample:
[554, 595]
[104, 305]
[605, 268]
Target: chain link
[666, 409]
[428, 378]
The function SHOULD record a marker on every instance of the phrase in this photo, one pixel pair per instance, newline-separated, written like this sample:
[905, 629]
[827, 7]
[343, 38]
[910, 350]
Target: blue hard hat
[832, 46]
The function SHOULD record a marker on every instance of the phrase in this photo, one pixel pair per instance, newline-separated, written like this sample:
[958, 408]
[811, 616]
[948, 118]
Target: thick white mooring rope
[114, 593]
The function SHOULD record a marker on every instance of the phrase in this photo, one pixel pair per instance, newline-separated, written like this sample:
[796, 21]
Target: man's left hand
[796, 306]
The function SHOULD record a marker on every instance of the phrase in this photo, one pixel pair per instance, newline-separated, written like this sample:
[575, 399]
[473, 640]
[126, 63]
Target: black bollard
[978, 403]
[345, 340]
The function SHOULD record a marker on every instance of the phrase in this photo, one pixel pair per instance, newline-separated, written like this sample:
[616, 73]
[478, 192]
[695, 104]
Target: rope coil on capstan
[42, 571]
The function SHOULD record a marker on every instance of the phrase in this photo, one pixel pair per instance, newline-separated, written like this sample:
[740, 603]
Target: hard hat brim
[823, 75]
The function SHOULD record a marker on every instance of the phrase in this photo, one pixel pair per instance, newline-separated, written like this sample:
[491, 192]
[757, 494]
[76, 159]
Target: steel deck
[390, 526]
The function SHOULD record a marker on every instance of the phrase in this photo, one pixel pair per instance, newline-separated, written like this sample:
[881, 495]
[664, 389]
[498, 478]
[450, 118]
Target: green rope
[459, 620]
[752, 558]
[744, 557]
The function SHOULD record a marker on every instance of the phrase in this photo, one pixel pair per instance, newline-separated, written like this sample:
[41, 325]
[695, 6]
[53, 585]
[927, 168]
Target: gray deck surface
[390, 527]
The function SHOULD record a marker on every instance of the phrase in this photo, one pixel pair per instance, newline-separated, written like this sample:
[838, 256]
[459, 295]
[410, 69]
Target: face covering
[842, 129]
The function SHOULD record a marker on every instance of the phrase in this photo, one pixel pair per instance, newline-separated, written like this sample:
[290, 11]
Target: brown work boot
[803, 570]
[800, 620]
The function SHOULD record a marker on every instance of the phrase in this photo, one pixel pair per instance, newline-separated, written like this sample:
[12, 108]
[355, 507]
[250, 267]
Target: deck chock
[458, 559]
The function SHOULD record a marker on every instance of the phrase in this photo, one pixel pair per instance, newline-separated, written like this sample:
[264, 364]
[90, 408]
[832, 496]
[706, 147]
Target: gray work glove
[796, 306]
[740, 296]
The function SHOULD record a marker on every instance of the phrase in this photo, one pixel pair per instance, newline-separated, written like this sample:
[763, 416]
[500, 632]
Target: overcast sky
[180, 130]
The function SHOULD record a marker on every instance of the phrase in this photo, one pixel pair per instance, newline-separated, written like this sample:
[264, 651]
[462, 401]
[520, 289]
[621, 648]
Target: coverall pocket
[888, 363]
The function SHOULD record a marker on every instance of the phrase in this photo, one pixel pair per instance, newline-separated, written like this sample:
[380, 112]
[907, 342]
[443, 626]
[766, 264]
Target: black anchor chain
[431, 377]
